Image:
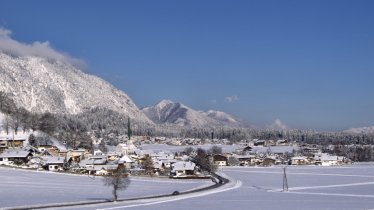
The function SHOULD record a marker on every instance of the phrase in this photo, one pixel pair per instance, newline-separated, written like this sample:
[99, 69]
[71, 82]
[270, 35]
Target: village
[174, 163]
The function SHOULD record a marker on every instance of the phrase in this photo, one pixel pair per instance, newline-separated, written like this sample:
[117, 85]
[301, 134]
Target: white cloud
[278, 125]
[232, 99]
[39, 49]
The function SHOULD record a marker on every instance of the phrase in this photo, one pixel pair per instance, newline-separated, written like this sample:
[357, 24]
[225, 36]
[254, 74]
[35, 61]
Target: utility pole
[285, 183]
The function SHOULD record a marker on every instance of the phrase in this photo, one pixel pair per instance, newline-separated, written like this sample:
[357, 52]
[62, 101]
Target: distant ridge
[168, 112]
[362, 130]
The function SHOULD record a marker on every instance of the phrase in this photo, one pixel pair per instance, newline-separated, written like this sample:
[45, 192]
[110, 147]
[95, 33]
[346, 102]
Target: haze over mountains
[361, 130]
[47, 85]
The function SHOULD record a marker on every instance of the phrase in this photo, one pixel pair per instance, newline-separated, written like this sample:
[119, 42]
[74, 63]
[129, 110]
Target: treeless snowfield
[22, 188]
[310, 187]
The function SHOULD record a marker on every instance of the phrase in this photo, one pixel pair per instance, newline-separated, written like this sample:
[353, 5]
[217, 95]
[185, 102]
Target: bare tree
[202, 160]
[215, 150]
[15, 121]
[188, 150]
[148, 165]
[6, 124]
[233, 161]
[118, 180]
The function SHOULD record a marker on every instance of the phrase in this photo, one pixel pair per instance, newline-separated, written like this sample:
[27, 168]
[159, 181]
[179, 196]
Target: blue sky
[308, 63]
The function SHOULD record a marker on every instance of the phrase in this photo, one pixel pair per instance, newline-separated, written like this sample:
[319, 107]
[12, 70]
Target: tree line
[109, 125]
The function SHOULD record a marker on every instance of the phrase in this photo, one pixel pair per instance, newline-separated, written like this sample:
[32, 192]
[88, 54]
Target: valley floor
[312, 187]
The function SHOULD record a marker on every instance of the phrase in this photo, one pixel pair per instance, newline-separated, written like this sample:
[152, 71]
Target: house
[7, 142]
[220, 160]
[245, 160]
[15, 156]
[112, 156]
[166, 159]
[183, 169]
[269, 161]
[311, 148]
[49, 149]
[101, 169]
[247, 149]
[328, 160]
[97, 152]
[126, 149]
[299, 160]
[98, 160]
[55, 163]
[259, 143]
[77, 154]
[125, 161]
[282, 142]
[96, 165]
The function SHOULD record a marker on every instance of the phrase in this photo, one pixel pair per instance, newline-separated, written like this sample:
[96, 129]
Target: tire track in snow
[333, 194]
[187, 196]
[324, 186]
[299, 173]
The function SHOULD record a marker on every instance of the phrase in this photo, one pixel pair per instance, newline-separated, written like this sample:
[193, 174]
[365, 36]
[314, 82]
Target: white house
[328, 160]
[54, 163]
[126, 149]
[300, 160]
[126, 161]
[183, 169]
[16, 155]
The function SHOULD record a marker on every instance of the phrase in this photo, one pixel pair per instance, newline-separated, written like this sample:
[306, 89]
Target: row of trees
[108, 125]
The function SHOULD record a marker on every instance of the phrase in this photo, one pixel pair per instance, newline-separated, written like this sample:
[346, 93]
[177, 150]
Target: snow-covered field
[21, 187]
[310, 187]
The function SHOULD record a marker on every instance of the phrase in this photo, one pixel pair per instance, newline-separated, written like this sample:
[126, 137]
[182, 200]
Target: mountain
[365, 130]
[44, 85]
[168, 112]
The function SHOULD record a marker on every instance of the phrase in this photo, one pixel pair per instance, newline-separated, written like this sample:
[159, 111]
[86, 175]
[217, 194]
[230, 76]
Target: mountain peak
[168, 112]
[164, 103]
[44, 85]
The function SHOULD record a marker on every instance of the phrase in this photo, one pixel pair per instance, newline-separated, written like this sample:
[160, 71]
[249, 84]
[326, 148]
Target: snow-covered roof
[165, 157]
[125, 159]
[157, 164]
[15, 153]
[102, 167]
[169, 161]
[97, 160]
[53, 160]
[183, 166]
[83, 163]
[299, 158]
[11, 139]
[244, 156]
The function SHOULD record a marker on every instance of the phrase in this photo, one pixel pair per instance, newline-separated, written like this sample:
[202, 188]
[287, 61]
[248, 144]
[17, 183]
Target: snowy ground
[21, 187]
[333, 188]
[310, 187]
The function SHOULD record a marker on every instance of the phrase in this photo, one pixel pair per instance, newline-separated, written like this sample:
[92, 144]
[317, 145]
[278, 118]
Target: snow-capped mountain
[366, 130]
[39, 85]
[168, 112]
